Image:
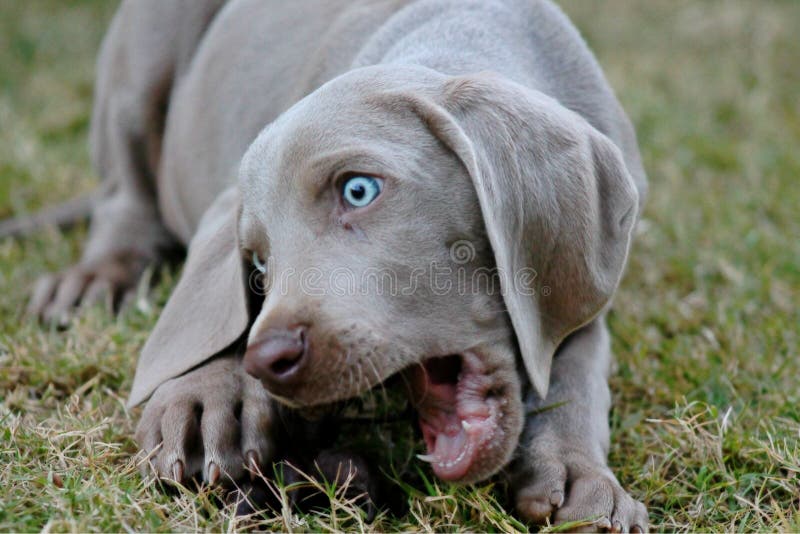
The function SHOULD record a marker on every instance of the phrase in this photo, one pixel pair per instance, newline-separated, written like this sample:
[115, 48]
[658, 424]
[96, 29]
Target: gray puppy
[436, 141]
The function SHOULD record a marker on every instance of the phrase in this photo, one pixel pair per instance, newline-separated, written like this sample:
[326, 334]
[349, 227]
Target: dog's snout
[277, 356]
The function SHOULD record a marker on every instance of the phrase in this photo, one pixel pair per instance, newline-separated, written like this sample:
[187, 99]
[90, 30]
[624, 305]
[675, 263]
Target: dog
[293, 145]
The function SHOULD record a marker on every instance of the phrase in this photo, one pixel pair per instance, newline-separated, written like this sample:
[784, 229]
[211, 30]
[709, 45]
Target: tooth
[466, 426]
[426, 458]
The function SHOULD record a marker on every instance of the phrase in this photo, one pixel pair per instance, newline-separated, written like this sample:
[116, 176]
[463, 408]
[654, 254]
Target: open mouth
[459, 413]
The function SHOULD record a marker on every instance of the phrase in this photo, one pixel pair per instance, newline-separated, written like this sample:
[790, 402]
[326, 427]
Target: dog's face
[376, 261]
[391, 213]
[452, 228]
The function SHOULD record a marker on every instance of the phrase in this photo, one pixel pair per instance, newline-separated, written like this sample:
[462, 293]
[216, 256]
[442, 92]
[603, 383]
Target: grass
[706, 418]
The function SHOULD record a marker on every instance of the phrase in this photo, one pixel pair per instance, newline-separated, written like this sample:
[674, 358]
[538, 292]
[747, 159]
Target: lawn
[706, 325]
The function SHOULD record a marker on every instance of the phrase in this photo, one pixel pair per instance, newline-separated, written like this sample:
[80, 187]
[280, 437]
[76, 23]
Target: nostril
[286, 364]
[292, 356]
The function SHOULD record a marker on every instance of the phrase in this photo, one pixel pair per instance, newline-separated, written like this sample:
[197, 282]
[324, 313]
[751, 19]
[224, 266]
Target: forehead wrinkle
[323, 167]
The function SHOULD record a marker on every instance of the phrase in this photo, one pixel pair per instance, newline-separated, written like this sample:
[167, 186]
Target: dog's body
[184, 89]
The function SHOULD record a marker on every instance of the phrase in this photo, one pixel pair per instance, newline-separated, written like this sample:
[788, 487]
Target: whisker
[349, 378]
[378, 380]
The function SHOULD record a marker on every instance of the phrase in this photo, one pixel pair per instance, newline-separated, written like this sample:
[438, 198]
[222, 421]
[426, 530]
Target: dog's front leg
[214, 421]
[146, 50]
[563, 467]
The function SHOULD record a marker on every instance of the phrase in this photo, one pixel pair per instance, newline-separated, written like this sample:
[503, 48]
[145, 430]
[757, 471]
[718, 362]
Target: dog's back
[258, 58]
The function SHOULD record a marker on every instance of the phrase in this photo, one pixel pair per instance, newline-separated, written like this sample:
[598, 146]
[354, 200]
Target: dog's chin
[470, 415]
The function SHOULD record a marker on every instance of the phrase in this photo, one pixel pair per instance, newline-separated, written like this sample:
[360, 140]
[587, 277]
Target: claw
[252, 464]
[370, 510]
[603, 523]
[177, 471]
[616, 527]
[213, 473]
[557, 499]
[62, 320]
[637, 529]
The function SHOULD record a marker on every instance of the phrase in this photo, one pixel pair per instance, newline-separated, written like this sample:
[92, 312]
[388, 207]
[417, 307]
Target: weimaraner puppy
[303, 150]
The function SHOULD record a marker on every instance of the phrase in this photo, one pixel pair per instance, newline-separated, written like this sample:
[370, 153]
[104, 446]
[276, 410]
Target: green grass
[706, 418]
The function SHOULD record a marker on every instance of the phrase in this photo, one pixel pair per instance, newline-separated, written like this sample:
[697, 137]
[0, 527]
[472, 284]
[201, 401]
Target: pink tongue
[453, 440]
[450, 454]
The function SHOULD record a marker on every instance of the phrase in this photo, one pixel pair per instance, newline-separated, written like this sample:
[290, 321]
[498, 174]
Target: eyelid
[341, 178]
[331, 167]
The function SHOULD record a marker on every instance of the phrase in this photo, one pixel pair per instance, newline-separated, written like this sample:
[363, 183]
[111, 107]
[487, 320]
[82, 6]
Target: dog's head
[400, 220]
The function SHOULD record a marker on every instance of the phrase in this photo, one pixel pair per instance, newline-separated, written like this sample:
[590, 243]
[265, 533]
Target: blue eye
[359, 191]
[258, 264]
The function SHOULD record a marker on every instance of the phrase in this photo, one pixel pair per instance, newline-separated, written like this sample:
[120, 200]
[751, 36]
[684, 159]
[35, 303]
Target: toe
[590, 500]
[125, 299]
[629, 515]
[148, 436]
[538, 500]
[179, 429]
[220, 432]
[641, 522]
[256, 421]
[66, 297]
[99, 291]
[42, 294]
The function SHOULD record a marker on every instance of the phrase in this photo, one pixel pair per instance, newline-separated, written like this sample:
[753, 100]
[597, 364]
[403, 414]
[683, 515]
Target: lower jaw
[458, 418]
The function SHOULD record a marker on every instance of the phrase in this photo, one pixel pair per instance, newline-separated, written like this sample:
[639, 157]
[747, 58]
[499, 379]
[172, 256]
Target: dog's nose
[277, 356]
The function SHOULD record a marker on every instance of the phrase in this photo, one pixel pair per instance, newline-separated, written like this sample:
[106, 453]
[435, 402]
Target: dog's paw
[351, 472]
[212, 422]
[573, 488]
[109, 280]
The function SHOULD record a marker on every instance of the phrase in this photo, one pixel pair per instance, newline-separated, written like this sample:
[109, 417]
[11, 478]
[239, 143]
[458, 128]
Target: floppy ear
[208, 309]
[557, 201]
